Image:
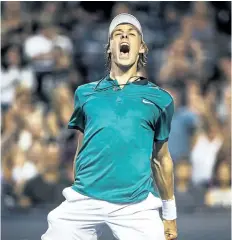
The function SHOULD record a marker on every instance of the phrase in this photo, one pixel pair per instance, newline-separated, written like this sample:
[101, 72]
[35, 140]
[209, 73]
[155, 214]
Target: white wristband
[169, 209]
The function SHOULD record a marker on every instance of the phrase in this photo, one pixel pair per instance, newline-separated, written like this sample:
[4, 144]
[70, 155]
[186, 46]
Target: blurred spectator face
[13, 56]
[124, 55]
[183, 171]
[223, 174]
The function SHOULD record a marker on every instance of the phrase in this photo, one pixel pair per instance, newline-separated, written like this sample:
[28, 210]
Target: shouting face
[125, 45]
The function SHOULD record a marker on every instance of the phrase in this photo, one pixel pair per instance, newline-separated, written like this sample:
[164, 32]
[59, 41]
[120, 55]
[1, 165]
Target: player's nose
[124, 35]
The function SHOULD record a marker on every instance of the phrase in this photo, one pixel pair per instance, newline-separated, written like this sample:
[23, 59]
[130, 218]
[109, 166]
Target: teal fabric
[120, 127]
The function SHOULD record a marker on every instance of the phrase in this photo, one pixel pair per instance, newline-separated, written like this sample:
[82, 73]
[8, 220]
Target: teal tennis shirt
[120, 127]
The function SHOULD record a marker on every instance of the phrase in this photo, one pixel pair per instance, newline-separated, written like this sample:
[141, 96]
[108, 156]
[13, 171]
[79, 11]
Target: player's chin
[125, 62]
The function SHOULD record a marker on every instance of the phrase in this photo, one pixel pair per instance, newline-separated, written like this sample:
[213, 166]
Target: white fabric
[26, 172]
[125, 18]
[12, 77]
[63, 42]
[220, 197]
[37, 45]
[83, 218]
[169, 209]
[203, 158]
[25, 140]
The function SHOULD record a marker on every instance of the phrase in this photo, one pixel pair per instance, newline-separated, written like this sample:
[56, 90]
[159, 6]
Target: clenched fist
[170, 229]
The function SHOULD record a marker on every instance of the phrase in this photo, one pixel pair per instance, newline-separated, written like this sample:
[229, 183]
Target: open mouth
[124, 49]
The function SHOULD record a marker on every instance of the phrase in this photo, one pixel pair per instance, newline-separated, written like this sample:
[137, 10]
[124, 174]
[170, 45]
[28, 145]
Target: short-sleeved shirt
[120, 127]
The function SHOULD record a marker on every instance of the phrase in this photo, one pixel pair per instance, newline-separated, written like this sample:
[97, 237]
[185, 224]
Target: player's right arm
[77, 121]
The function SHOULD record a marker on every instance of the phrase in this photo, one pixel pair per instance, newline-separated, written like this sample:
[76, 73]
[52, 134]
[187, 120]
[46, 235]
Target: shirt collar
[141, 81]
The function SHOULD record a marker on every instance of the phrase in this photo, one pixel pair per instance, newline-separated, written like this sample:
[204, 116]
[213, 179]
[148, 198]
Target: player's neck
[122, 75]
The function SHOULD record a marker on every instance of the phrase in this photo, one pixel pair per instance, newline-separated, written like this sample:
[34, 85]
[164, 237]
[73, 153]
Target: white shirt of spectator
[36, 45]
[12, 77]
[220, 197]
[203, 158]
[24, 173]
[25, 140]
[63, 42]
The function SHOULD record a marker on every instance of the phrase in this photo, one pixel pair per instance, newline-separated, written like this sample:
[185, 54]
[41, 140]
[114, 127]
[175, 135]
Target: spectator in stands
[75, 79]
[62, 65]
[120, 7]
[46, 188]
[208, 141]
[184, 125]
[15, 74]
[63, 104]
[187, 196]
[12, 16]
[178, 65]
[219, 194]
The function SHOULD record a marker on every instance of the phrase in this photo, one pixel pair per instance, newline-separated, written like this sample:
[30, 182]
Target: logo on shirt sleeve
[147, 102]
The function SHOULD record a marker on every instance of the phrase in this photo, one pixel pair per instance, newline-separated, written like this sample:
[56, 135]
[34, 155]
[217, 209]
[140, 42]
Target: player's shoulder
[163, 97]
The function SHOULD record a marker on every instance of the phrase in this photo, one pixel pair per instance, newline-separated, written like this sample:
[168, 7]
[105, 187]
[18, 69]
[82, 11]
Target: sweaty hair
[141, 62]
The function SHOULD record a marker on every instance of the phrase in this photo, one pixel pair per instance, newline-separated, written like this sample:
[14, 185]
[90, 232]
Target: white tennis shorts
[82, 218]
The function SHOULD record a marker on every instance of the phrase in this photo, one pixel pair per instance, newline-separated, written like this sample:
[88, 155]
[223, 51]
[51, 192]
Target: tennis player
[123, 168]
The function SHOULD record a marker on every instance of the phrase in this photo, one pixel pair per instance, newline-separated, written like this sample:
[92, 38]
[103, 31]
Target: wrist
[169, 211]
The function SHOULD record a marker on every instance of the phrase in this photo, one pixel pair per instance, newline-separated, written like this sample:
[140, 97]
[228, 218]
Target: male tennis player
[122, 157]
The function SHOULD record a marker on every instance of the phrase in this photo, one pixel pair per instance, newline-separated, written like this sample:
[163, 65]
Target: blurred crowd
[48, 49]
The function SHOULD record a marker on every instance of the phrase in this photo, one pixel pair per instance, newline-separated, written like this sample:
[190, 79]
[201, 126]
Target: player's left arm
[162, 168]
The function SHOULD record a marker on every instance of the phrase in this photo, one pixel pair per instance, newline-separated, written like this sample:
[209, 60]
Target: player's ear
[142, 48]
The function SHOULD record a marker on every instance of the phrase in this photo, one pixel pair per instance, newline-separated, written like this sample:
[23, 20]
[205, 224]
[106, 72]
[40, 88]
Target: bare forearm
[162, 168]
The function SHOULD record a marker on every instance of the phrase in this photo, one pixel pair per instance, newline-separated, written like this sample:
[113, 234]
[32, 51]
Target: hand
[170, 229]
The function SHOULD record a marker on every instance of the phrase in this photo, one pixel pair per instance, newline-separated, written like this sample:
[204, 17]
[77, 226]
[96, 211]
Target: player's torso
[118, 141]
